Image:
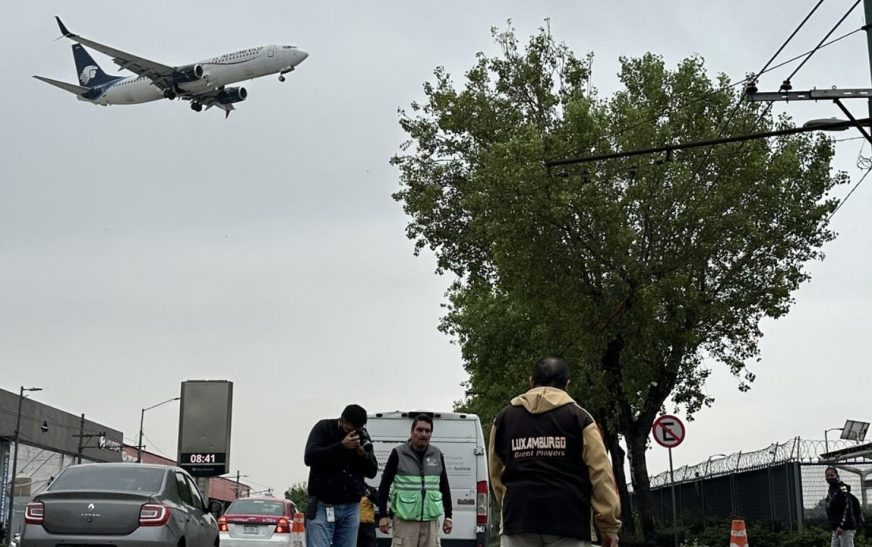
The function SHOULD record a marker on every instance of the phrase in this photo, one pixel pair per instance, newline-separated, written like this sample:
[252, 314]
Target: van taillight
[481, 505]
[154, 514]
[34, 512]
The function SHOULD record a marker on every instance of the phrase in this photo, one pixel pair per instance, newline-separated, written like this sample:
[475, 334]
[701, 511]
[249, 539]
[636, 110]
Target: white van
[461, 440]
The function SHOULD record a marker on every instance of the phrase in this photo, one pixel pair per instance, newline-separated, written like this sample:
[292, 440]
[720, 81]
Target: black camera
[364, 439]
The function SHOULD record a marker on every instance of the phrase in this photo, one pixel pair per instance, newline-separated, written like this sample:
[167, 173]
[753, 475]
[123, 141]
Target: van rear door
[460, 438]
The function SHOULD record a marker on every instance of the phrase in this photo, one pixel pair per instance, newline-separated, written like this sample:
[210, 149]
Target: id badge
[331, 516]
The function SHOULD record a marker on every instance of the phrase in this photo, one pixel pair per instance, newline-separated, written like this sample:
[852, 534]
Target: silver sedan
[122, 504]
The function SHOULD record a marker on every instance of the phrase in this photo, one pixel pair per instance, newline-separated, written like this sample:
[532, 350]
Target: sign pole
[674, 508]
[669, 432]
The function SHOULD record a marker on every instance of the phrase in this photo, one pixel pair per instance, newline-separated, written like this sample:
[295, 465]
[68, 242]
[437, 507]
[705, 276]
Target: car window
[125, 478]
[172, 489]
[184, 490]
[195, 493]
[256, 507]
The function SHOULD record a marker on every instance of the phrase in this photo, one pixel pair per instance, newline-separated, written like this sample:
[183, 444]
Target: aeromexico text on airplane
[542, 442]
[237, 54]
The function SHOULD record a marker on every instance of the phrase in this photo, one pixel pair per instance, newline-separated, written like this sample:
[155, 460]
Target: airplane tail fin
[90, 73]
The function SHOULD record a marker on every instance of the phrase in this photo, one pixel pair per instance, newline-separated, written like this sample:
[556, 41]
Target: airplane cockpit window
[289, 47]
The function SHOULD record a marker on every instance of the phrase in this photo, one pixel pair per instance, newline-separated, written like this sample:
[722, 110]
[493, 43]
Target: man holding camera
[416, 481]
[339, 455]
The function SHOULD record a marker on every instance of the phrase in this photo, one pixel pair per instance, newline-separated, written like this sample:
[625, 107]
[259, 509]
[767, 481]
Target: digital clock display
[203, 458]
[203, 464]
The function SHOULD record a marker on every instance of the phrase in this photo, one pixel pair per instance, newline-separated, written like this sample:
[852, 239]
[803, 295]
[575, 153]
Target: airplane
[204, 83]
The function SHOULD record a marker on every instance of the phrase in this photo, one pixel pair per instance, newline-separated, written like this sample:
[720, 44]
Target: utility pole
[82, 436]
[139, 444]
[867, 7]
[237, 483]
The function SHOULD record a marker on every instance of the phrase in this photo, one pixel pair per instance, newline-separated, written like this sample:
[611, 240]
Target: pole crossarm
[811, 95]
[698, 144]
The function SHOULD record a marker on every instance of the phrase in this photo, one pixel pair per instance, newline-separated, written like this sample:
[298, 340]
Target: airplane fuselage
[218, 71]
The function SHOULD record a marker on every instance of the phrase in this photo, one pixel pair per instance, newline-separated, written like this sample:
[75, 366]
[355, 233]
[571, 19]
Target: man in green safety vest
[416, 482]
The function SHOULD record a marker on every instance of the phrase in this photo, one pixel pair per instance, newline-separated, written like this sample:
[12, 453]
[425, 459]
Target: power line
[155, 448]
[744, 81]
[789, 38]
[699, 144]
[839, 206]
[832, 30]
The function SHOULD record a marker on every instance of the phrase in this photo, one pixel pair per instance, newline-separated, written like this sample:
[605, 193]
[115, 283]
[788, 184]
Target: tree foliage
[640, 271]
[299, 494]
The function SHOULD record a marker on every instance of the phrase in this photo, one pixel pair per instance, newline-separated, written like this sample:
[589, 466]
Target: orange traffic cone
[298, 531]
[738, 536]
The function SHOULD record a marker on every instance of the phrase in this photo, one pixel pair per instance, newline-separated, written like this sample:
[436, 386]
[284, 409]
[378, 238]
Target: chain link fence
[782, 485]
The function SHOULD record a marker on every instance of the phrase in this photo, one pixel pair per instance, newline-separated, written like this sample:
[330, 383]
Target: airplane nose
[301, 55]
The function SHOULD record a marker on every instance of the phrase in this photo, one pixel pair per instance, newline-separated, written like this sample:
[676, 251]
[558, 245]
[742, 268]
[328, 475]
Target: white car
[259, 522]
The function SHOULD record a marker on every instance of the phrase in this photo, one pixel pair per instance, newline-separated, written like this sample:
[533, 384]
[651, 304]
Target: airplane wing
[160, 74]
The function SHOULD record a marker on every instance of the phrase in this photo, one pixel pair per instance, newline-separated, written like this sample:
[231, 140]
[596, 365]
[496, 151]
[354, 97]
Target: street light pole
[15, 460]
[826, 440]
[141, 420]
[239, 484]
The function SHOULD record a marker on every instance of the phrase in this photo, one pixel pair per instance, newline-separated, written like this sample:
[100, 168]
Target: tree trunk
[628, 525]
[641, 485]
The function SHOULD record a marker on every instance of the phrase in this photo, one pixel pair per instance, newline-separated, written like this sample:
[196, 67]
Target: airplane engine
[188, 73]
[232, 95]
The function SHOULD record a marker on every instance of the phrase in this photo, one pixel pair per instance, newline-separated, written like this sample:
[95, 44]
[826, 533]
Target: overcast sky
[142, 246]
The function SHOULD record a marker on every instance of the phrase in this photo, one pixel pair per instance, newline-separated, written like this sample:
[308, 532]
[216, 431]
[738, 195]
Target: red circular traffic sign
[668, 431]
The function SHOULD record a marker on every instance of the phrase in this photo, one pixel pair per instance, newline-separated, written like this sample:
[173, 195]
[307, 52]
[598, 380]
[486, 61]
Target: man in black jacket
[840, 510]
[549, 468]
[338, 464]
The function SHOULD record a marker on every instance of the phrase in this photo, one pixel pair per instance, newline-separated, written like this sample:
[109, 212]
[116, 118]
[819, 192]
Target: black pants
[366, 535]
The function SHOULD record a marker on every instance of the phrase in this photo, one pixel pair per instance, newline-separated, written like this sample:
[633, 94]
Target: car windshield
[126, 478]
[256, 507]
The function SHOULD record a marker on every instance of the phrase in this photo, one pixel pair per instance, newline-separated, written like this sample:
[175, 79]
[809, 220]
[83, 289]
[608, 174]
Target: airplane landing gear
[281, 78]
[196, 107]
[169, 94]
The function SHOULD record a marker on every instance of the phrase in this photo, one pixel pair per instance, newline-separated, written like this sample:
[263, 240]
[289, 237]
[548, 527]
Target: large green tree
[640, 271]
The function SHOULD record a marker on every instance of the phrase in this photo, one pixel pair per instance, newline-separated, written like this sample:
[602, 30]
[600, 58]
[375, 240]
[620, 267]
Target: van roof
[409, 414]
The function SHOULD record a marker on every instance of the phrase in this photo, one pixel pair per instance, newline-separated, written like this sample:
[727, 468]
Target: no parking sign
[668, 431]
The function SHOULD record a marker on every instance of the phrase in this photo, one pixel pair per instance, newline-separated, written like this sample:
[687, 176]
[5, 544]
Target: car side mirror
[216, 508]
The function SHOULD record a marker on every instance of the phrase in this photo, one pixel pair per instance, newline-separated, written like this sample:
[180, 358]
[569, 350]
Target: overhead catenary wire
[742, 82]
[738, 104]
[789, 38]
[824, 39]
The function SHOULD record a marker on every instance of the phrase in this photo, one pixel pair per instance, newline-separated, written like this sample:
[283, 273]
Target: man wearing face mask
[841, 511]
